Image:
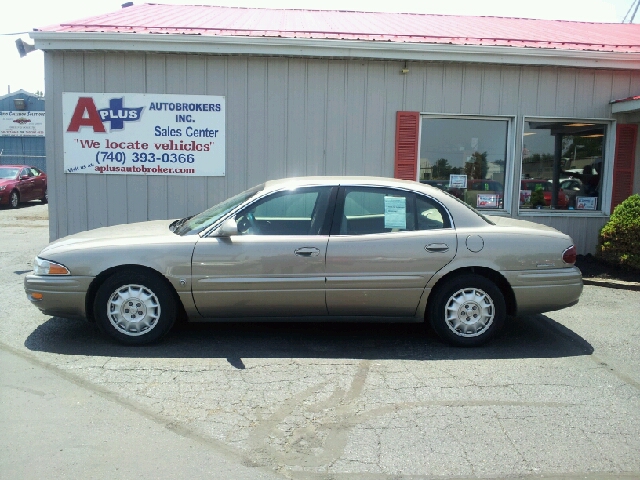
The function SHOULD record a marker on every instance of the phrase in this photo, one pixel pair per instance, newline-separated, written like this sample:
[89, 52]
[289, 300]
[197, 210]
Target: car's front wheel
[14, 199]
[467, 310]
[135, 307]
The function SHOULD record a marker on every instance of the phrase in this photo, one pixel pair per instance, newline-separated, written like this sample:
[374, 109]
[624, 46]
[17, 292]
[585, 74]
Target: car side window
[369, 210]
[35, 172]
[24, 172]
[430, 214]
[291, 212]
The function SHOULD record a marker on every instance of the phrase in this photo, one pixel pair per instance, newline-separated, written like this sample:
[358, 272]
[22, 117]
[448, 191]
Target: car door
[26, 185]
[384, 247]
[39, 183]
[275, 266]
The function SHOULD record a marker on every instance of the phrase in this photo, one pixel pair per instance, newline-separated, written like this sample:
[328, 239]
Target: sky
[20, 17]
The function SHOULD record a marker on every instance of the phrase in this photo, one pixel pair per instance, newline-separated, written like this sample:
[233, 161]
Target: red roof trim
[368, 26]
[628, 99]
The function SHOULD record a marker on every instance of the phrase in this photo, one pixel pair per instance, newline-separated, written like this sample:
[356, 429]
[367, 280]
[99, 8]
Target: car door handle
[307, 252]
[437, 247]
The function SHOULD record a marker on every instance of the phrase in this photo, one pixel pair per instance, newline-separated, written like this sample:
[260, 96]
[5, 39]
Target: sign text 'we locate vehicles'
[144, 134]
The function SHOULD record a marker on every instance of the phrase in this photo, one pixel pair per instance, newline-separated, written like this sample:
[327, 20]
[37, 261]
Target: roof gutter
[626, 106]
[304, 47]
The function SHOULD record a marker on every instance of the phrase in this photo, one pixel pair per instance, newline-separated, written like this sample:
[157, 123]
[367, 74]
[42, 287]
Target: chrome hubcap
[469, 312]
[133, 310]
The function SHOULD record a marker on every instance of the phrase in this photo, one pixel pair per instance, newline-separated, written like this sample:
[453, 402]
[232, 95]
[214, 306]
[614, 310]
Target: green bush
[537, 198]
[619, 241]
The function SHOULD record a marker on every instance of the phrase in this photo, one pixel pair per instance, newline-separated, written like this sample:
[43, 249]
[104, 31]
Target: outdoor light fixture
[19, 104]
[580, 125]
[24, 48]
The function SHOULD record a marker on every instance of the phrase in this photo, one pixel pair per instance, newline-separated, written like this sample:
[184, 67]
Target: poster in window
[395, 212]
[486, 200]
[586, 203]
[457, 181]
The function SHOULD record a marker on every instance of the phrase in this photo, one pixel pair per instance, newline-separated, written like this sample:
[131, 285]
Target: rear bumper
[547, 290]
[62, 296]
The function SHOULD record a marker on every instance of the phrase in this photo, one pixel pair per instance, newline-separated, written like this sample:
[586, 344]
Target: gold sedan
[315, 248]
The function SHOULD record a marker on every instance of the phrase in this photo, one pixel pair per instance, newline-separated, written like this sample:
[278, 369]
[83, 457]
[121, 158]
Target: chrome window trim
[259, 196]
[416, 192]
[213, 227]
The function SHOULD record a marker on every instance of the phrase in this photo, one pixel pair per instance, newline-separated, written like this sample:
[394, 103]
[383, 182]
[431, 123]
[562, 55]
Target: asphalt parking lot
[555, 396]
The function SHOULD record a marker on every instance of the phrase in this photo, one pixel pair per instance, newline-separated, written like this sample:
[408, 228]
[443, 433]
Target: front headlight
[47, 267]
[2, 187]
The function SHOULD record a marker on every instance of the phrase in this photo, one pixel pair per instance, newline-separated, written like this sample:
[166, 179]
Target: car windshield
[197, 223]
[8, 173]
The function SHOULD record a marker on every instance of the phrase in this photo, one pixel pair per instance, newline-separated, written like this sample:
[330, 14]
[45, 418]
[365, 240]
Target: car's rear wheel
[467, 310]
[14, 199]
[45, 197]
[135, 307]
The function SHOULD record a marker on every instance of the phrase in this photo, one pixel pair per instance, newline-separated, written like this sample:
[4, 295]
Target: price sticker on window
[395, 212]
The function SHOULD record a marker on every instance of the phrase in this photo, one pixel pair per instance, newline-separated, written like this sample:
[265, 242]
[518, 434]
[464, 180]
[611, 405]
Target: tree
[442, 169]
[478, 166]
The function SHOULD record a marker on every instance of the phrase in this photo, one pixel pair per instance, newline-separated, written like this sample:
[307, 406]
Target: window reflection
[562, 165]
[465, 157]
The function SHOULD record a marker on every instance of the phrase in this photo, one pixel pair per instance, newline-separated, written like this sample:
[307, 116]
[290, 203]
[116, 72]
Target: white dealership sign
[21, 124]
[144, 134]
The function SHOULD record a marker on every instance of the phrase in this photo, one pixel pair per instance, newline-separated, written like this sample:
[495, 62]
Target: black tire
[467, 310]
[45, 198]
[14, 199]
[147, 311]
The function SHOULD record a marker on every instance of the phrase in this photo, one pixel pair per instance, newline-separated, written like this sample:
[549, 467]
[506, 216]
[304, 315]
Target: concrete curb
[619, 284]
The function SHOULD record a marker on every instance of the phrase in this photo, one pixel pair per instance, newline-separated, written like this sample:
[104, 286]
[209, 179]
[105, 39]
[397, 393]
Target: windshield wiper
[175, 225]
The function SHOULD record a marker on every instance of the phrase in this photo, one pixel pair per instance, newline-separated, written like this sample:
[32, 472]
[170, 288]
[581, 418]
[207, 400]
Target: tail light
[569, 255]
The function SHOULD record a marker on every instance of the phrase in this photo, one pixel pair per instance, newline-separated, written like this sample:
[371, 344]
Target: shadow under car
[533, 336]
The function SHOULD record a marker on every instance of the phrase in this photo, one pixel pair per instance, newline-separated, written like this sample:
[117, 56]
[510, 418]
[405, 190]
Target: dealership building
[22, 125]
[160, 111]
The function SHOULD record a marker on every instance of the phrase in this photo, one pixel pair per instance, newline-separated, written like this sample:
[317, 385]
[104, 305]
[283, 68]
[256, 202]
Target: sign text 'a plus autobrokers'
[144, 134]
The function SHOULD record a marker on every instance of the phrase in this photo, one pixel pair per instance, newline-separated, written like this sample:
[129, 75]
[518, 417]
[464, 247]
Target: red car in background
[533, 184]
[21, 183]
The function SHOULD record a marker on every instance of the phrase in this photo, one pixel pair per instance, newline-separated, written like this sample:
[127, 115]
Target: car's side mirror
[24, 177]
[229, 228]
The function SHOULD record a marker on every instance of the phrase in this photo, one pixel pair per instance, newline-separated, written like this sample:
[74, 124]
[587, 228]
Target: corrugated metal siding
[288, 117]
[23, 151]
[33, 103]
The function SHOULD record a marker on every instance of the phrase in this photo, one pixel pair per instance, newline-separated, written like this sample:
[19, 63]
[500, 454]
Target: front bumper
[62, 296]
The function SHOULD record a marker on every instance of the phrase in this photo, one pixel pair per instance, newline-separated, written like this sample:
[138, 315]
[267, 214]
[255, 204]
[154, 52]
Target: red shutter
[623, 164]
[407, 124]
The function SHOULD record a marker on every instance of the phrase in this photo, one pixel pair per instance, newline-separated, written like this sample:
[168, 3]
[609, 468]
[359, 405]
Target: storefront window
[562, 165]
[466, 157]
